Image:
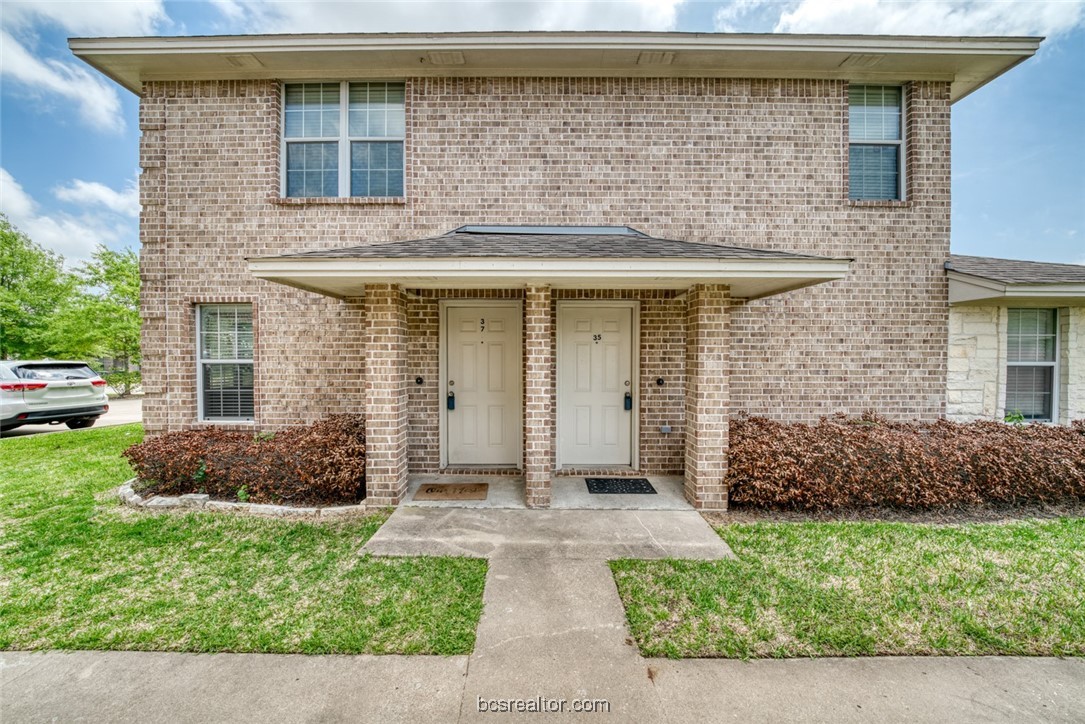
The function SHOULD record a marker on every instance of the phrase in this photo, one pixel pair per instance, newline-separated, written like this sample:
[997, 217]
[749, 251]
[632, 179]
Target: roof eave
[972, 289]
[750, 279]
[130, 61]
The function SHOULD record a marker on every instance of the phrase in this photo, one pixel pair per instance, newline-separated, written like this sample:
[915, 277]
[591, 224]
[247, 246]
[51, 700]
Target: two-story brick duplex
[545, 252]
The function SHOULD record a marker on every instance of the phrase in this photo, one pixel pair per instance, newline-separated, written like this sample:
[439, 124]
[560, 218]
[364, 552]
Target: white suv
[36, 392]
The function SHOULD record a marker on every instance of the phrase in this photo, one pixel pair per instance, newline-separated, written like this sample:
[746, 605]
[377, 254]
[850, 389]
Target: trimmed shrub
[871, 462]
[322, 463]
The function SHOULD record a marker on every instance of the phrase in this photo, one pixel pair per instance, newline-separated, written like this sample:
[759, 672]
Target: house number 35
[597, 337]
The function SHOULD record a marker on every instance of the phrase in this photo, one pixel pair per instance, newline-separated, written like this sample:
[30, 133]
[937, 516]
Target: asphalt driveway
[121, 412]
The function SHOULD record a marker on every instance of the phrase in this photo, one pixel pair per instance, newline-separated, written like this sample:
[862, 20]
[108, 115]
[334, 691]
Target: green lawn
[867, 589]
[79, 571]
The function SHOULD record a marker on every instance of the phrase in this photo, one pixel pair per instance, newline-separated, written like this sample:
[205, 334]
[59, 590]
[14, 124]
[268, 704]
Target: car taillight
[98, 383]
[22, 386]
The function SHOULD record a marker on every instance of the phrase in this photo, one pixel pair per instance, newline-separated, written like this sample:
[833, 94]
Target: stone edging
[128, 496]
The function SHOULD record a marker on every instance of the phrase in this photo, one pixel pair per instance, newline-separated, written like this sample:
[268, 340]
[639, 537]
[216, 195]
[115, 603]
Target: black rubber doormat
[620, 486]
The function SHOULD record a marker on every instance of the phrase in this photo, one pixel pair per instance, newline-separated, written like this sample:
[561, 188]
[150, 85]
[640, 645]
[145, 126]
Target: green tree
[102, 319]
[33, 287]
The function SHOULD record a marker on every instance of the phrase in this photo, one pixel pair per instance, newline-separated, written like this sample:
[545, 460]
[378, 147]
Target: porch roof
[986, 280]
[561, 256]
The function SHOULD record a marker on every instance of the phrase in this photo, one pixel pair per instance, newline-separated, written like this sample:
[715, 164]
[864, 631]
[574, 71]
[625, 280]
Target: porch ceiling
[561, 257]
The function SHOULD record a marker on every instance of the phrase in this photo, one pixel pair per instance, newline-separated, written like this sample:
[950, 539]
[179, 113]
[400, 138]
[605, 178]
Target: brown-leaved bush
[872, 462]
[321, 463]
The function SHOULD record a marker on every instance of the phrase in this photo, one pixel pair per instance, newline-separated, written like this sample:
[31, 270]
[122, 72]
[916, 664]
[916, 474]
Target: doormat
[623, 486]
[453, 491]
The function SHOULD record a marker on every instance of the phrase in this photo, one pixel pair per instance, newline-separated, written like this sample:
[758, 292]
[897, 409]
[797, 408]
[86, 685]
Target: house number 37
[482, 325]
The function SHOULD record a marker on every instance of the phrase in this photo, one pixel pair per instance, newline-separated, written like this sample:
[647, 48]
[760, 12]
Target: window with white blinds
[1031, 356]
[224, 365]
[344, 139]
[875, 153]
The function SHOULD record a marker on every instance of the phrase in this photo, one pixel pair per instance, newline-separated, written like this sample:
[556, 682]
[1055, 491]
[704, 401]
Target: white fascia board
[962, 45]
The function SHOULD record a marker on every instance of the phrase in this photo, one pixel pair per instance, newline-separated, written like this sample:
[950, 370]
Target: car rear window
[55, 372]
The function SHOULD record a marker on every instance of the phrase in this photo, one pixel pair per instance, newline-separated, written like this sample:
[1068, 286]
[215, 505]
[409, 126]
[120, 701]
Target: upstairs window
[343, 139]
[1031, 352]
[875, 158]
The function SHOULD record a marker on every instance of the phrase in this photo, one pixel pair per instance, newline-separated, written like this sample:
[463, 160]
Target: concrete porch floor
[567, 493]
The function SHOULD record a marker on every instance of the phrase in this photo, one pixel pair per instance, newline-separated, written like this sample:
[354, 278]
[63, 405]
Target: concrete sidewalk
[553, 627]
[127, 686]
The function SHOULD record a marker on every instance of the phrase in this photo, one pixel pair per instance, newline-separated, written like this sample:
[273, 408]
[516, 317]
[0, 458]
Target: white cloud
[435, 15]
[92, 193]
[25, 64]
[118, 17]
[913, 17]
[95, 98]
[72, 236]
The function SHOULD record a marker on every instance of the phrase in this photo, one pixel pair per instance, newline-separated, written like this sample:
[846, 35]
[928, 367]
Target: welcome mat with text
[452, 491]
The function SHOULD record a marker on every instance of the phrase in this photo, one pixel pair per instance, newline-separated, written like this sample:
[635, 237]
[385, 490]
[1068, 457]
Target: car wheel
[81, 423]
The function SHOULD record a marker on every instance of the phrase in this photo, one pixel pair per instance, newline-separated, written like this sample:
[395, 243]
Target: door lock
[628, 400]
[450, 401]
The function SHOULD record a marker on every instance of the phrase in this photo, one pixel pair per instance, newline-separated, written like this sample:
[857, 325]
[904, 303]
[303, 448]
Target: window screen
[363, 156]
[1031, 344]
[874, 151]
[225, 347]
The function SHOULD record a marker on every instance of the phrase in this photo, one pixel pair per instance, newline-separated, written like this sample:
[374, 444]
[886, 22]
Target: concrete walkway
[596, 535]
[553, 627]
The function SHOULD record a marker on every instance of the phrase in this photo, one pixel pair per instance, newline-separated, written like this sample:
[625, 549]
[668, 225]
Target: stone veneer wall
[976, 385]
[1072, 364]
[758, 163]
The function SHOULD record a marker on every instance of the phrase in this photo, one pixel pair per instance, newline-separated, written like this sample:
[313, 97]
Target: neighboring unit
[1016, 340]
[551, 253]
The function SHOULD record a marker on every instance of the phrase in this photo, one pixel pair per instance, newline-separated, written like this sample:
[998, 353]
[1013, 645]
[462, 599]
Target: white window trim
[1054, 365]
[200, 362]
[901, 143]
[344, 140]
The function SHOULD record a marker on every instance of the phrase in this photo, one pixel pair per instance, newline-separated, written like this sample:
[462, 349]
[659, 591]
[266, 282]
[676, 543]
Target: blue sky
[69, 138]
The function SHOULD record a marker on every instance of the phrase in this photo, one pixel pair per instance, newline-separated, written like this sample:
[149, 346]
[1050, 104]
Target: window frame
[344, 140]
[201, 361]
[901, 144]
[1053, 365]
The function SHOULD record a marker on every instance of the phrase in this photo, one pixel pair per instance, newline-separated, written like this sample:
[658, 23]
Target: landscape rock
[163, 502]
[195, 500]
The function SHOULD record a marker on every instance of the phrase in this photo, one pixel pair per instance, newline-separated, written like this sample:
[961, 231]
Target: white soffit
[966, 289]
[967, 63]
[749, 279]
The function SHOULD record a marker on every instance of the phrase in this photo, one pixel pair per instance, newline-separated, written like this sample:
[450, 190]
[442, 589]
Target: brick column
[386, 394]
[538, 411]
[707, 395]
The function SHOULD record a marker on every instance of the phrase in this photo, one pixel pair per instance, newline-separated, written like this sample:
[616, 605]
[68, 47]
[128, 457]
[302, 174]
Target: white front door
[595, 376]
[483, 356]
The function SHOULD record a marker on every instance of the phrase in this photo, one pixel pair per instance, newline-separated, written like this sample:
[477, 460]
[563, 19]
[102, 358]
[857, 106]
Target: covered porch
[547, 354]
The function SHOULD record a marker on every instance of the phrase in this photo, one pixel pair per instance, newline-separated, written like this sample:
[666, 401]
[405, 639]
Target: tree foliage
[33, 287]
[90, 314]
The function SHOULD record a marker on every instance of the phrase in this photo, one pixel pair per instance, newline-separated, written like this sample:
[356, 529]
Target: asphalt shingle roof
[516, 243]
[1011, 271]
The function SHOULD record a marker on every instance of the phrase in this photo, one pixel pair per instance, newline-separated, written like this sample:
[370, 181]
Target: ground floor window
[1031, 354]
[224, 361]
